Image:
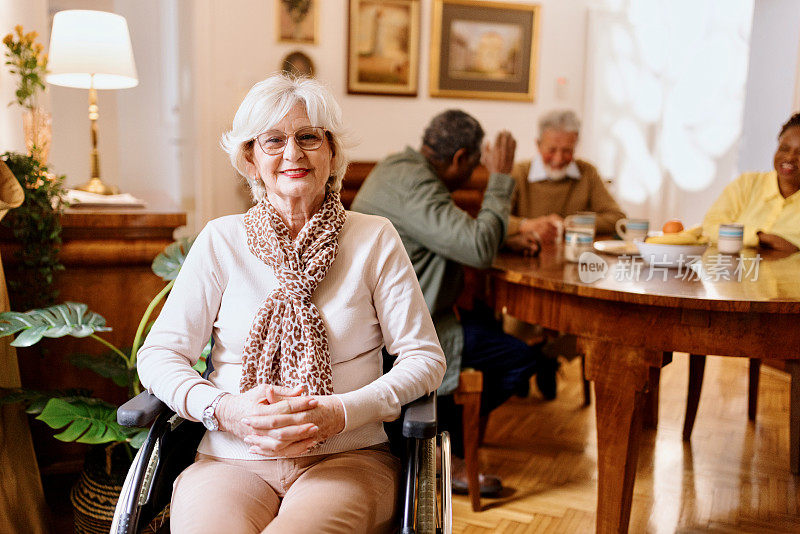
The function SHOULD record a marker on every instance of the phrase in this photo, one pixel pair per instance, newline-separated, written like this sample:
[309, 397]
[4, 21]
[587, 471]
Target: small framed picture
[296, 21]
[484, 49]
[383, 47]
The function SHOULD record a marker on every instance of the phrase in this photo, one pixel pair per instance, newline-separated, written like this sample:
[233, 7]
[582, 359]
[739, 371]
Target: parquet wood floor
[732, 478]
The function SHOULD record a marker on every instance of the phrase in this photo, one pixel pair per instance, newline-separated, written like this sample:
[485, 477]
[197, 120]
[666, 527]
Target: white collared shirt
[538, 171]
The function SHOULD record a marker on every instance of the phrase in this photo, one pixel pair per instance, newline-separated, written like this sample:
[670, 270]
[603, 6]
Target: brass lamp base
[95, 185]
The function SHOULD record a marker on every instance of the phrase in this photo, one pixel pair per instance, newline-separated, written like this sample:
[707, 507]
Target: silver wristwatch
[210, 420]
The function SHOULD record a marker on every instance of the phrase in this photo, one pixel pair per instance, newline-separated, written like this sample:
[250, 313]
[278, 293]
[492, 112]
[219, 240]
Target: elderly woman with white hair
[299, 297]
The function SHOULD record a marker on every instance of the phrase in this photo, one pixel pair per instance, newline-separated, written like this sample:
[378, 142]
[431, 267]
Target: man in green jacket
[413, 190]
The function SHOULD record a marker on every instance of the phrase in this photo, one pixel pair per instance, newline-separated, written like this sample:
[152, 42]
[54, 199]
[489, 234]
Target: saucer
[615, 247]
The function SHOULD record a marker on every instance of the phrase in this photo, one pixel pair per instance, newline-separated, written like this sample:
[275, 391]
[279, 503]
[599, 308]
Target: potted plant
[36, 226]
[25, 58]
[76, 413]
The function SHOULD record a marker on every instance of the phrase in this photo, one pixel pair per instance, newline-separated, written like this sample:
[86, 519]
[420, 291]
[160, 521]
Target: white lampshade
[85, 43]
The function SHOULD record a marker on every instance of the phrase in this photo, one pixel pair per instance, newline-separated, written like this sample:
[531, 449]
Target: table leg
[752, 388]
[650, 415]
[697, 368]
[620, 375]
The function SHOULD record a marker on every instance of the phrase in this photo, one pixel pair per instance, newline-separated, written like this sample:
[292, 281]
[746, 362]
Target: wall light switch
[562, 88]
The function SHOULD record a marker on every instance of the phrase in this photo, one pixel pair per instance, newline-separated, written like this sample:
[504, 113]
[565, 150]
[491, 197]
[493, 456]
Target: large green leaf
[35, 401]
[108, 365]
[12, 395]
[169, 262]
[67, 319]
[87, 420]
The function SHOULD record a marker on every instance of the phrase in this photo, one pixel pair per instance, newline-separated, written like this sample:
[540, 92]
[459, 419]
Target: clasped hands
[280, 421]
[535, 233]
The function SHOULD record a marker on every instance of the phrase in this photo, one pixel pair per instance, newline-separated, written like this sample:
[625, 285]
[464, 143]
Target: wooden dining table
[630, 320]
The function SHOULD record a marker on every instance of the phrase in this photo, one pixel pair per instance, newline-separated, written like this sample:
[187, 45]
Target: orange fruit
[672, 227]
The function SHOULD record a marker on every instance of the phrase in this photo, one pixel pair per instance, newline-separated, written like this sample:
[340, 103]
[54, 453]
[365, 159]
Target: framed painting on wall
[296, 21]
[484, 50]
[383, 47]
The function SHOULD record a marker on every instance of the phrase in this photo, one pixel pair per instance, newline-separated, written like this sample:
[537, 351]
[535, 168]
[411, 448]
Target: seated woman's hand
[327, 415]
[272, 419]
[307, 425]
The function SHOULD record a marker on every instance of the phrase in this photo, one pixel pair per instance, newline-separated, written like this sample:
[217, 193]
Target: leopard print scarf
[287, 344]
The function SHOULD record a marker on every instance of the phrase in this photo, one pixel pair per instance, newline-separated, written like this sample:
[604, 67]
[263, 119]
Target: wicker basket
[95, 495]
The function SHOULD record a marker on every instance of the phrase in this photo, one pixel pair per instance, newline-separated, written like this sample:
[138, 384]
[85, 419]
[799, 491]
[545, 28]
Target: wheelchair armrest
[140, 410]
[420, 418]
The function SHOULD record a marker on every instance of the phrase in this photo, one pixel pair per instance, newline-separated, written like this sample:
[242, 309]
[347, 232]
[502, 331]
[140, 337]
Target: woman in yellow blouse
[766, 203]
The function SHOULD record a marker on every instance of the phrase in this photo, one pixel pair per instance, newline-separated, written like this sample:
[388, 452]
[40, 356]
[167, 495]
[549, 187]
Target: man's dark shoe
[491, 486]
[546, 378]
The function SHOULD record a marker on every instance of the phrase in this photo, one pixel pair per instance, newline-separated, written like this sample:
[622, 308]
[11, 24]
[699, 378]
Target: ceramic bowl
[660, 255]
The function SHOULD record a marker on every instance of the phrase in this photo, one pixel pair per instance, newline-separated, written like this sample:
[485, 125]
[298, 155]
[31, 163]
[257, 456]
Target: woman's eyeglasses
[273, 142]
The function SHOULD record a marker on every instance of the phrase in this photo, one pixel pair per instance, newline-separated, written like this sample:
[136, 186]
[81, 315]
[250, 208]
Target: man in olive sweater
[413, 190]
[554, 185]
[550, 187]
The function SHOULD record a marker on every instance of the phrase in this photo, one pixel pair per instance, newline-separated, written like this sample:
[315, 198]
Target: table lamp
[91, 50]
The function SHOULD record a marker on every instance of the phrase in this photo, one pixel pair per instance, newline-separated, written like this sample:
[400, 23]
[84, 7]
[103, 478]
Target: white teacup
[633, 229]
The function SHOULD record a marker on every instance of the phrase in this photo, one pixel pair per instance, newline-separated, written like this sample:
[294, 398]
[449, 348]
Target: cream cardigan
[369, 298]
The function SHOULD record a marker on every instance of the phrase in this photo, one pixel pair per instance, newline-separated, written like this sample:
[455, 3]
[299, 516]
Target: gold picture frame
[383, 47]
[484, 50]
[297, 21]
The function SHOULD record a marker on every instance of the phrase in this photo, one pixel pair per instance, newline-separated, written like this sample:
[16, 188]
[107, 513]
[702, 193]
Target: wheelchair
[170, 447]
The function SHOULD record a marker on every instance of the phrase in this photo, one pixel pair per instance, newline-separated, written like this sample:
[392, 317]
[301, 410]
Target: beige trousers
[348, 492]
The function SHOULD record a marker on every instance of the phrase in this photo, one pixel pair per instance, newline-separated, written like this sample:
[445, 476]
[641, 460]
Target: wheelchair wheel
[445, 486]
[426, 503]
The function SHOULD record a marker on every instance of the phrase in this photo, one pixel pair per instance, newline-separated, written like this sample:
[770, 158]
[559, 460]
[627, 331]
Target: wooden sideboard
[107, 255]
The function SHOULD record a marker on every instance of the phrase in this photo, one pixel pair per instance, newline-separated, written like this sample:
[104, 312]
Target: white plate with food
[674, 248]
[616, 247]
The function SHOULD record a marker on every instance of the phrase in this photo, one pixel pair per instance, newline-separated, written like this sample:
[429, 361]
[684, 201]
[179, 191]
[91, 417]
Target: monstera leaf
[87, 420]
[67, 319]
[168, 263]
[35, 401]
[108, 365]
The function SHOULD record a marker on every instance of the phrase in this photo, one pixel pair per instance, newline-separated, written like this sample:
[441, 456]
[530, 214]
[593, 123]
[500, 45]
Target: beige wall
[772, 91]
[32, 15]
[197, 58]
[235, 46]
